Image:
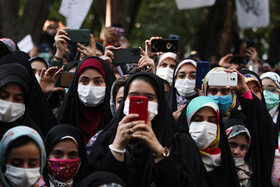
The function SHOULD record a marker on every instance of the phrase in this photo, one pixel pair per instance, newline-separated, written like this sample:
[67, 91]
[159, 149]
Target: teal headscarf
[199, 102]
[10, 136]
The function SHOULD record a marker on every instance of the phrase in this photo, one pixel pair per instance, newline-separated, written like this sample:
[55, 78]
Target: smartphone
[126, 56]
[164, 45]
[139, 105]
[222, 79]
[78, 35]
[66, 79]
[202, 68]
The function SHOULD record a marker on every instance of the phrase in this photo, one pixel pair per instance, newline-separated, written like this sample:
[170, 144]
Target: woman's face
[205, 114]
[142, 88]
[269, 85]
[254, 87]
[168, 63]
[26, 156]
[186, 71]
[65, 149]
[238, 146]
[12, 92]
[219, 90]
[37, 67]
[91, 77]
[119, 97]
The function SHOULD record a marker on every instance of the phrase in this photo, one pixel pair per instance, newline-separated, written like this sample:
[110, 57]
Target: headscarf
[39, 111]
[205, 88]
[175, 101]
[89, 119]
[212, 152]
[224, 174]
[10, 136]
[55, 135]
[273, 76]
[102, 178]
[164, 56]
[4, 50]
[46, 63]
[10, 44]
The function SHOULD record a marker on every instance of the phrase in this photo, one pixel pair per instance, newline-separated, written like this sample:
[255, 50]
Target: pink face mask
[63, 169]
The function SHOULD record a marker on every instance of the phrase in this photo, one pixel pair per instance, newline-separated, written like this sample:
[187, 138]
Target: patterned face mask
[63, 169]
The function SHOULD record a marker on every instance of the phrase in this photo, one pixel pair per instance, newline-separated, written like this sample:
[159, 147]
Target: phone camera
[139, 101]
[168, 45]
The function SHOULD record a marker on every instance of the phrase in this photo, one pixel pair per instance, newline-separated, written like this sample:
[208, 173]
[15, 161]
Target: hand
[109, 56]
[48, 78]
[149, 48]
[252, 54]
[61, 43]
[177, 113]
[224, 62]
[89, 50]
[146, 61]
[241, 87]
[145, 133]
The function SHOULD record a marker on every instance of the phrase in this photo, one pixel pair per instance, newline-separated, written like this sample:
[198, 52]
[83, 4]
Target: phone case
[202, 68]
[164, 45]
[126, 56]
[66, 79]
[139, 105]
[222, 79]
[78, 35]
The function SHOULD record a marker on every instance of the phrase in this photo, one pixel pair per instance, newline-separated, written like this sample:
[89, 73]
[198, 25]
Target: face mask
[37, 77]
[185, 87]
[91, 95]
[10, 112]
[66, 90]
[271, 99]
[22, 176]
[166, 74]
[224, 102]
[63, 169]
[203, 133]
[152, 108]
[239, 161]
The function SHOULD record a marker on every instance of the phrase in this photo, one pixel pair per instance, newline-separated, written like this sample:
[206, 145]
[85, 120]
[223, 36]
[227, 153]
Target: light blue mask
[223, 101]
[271, 99]
[66, 90]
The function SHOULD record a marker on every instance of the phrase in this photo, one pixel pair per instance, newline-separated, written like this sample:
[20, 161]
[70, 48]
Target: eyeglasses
[271, 89]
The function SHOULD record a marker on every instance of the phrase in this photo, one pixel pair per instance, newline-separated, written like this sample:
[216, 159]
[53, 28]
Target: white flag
[252, 13]
[75, 12]
[189, 4]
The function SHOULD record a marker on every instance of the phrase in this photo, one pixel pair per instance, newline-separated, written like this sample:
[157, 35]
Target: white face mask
[10, 112]
[22, 176]
[185, 87]
[166, 74]
[152, 108]
[239, 161]
[37, 77]
[91, 95]
[203, 133]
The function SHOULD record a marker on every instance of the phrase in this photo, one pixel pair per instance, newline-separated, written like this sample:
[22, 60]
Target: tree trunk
[31, 22]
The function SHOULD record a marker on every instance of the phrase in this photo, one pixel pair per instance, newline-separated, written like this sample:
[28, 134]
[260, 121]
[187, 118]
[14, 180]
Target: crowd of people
[83, 134]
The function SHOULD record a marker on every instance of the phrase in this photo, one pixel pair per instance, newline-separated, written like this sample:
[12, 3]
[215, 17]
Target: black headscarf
[69, 112]
[39, 110]
[55, 135]
[139, 161]
[101, 178]
[16, 73]
[4, 50]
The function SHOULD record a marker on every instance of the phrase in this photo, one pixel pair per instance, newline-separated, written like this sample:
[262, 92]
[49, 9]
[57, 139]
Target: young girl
[67, 162]
[22, 158]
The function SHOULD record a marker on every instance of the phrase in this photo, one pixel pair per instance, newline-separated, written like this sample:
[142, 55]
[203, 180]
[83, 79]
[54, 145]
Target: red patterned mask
[63, 169]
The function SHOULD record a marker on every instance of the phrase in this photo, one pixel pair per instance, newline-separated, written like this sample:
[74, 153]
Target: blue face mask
[271, 99]
[224, 102]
